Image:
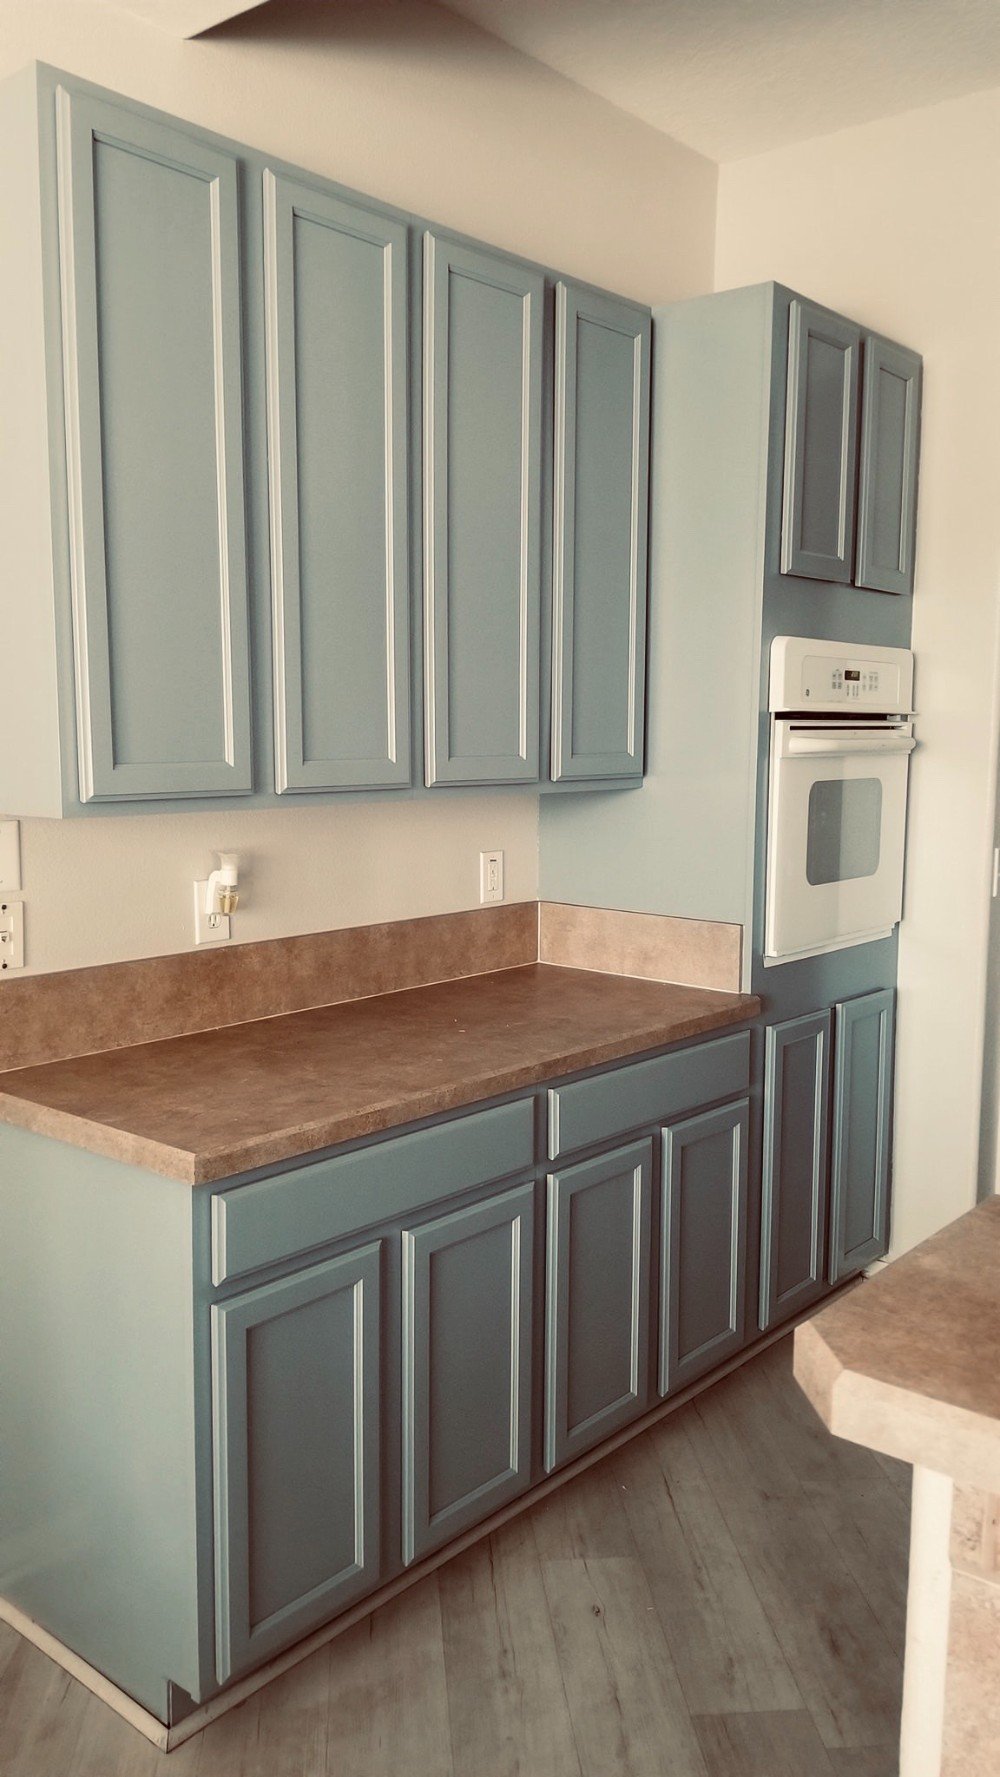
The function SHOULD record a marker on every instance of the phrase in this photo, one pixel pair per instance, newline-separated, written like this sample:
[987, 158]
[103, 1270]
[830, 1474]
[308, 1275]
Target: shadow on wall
[411, 27]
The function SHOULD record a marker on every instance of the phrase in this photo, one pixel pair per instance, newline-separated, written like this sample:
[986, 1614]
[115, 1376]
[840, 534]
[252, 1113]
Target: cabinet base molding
[167, 1738]
[118, 1700]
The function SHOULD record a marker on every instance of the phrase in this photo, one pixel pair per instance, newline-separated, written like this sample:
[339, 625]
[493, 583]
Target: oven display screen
[851, 674]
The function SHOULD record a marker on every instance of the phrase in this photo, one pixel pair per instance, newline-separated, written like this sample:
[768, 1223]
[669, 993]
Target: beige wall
[412, 105]
[898, 224]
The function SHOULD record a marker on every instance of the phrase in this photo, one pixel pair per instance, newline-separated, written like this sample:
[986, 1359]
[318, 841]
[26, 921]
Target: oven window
[845, 829]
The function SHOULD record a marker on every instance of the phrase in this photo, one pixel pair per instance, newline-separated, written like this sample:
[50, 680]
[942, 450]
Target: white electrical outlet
[10, 857]
[11, 935]
[490, 876]
[209, 928]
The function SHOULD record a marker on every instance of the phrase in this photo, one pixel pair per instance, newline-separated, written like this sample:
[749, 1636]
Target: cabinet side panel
[97, 1509]
[30, 768]
[707, 486]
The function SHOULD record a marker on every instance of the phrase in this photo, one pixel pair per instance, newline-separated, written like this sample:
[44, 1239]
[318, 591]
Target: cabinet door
[467, 1326]
[599, 553]
[703, 1243]
[862, 1109]
[795, 1185]
[597, 1299]
[336, 291]
[821, 427]
[153, 386]
[482, 522]
[296, 1441]
[890, 443]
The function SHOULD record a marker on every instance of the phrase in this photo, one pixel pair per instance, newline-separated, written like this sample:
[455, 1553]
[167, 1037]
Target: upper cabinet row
[852, 436]
[316, 477]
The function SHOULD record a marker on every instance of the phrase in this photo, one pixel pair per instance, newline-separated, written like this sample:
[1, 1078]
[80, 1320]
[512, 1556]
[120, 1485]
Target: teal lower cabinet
[296, 1406]
[795, 1168]
[703, 1243]
[468, 1279]
[597, 1299]
[862, 1110]
[326, 1372]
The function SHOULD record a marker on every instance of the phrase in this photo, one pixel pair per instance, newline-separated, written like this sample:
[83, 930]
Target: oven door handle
[829, 743]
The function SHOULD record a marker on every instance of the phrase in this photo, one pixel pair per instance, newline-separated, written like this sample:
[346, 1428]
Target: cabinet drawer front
[626, 1098]
[295, 1407]
[275, 1218]
[467, 1321]
[597, 1299]
[149, 218]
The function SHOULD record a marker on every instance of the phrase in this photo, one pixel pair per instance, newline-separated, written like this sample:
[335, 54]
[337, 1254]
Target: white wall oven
[841, 738]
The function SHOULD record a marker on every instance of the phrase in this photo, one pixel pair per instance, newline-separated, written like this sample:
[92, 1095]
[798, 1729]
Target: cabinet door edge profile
[814, 1029]
[81, 121]
[611, 316]
[808, 321]
[241, 1643]
[386, 762]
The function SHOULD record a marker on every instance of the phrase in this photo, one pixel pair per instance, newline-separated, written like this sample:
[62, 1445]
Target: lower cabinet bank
[231, 1413]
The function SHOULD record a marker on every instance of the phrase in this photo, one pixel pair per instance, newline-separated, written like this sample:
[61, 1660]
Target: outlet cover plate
[220, 931]
[490, 877]
[11, 935]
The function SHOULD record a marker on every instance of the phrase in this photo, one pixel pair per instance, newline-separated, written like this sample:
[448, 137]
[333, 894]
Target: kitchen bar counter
[204, 1107]
[910, 1365]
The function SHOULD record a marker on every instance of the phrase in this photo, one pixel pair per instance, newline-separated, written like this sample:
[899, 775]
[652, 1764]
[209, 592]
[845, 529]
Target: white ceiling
[185, 18]
[734, 77]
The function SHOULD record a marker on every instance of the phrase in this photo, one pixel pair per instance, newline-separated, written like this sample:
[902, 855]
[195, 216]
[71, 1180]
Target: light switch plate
[11, 935]
[10, 857]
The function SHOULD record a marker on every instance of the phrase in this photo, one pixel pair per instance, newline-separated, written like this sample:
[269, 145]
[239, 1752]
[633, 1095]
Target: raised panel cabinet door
[149, 245]
[467, 1329]
[295, 1398]
[703, 1243]
[597, 1299]
[890, 445]
[600, 535]
[796, 1180]
[336, 291]
[862, 1111]
[821, 441]
[482, 514]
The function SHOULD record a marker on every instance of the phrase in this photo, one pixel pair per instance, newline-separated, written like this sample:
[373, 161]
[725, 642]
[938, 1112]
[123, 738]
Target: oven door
[835, 833]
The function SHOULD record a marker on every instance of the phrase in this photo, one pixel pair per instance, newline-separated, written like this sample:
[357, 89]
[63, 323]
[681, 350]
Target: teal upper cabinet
[149, 240]
[890, 441]
[599, 548]
[215, 496]
[483, 331]
[821, 427]
[337, 315]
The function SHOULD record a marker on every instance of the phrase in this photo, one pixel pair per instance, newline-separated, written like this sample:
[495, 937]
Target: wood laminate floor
[723, 1597]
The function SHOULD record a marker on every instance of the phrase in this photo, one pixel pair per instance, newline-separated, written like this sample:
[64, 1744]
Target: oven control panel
[830, 676]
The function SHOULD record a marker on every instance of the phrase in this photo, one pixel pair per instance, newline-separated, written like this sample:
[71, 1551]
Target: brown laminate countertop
[203, 1107]
[909, 1363]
